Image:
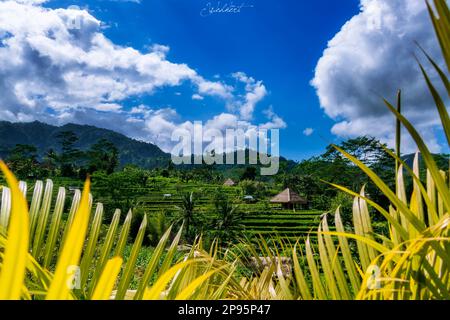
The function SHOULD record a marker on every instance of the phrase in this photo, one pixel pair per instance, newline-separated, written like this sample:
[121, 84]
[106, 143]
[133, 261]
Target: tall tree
[70, 155]
[333, 167]
[50, 162]
[103, 156]
[228, 224]
[250, 173]
[186, 214]
[23, 160]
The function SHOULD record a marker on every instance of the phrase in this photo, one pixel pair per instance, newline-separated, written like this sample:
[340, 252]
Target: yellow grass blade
[157, 290]
[16, 250]
[70, 255]
[192, 287]
[107, 280]
[300, 278]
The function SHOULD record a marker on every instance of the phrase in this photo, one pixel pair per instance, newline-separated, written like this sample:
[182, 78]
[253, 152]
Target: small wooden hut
[229, 183]
[288, 199]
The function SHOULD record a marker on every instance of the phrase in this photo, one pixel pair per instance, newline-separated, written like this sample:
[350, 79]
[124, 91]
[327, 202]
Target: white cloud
[31, 1]
[57, 66]
[308, 132]
[108, 107]
[211, 88]
[255, 92]
[160, 49]
[196, 96]
[275, 121]
[61, 59]
[133, 1]
[372, 57]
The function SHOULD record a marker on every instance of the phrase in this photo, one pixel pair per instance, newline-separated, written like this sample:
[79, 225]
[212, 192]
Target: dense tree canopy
[23, 160]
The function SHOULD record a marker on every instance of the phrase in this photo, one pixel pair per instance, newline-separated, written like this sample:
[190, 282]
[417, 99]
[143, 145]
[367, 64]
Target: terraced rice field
[260, 219]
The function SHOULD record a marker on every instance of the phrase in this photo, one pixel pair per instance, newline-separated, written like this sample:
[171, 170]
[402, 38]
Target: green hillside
[44, 137]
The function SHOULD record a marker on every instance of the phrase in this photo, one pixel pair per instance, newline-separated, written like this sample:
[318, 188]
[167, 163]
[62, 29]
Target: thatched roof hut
[288, 199]
[229, 183]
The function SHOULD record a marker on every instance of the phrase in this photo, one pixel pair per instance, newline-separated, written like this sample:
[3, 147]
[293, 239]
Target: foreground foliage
[43, 256]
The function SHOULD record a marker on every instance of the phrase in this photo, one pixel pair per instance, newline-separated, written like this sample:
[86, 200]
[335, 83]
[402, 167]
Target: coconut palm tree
[186, 212]
[228, 224]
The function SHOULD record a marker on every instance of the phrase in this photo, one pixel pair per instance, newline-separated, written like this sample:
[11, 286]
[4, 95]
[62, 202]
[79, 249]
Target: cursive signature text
[223, 8]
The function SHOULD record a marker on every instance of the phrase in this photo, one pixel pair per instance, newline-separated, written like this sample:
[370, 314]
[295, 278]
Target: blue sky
[320, 68]
[278, 42]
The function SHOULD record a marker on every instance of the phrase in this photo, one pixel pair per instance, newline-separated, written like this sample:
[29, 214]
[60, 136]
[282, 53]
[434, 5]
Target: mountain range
[45, 137]
[143, 154]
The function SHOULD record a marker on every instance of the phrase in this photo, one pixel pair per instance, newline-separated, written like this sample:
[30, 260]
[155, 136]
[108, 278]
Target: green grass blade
[330, 280]
[170, 253]
[152, 265]
[319, 290]
[416, 223]
[5, 209]
[42, 220]
[105, 250]
[128, 271]
[73, 209]
[359, 230]
[427, 157]
[440, 106]
[335, 262]
[442, 27]
[123, 238]
[355, 280]
[86, 260]
[302, 284]
[35, 206]
[55, 226]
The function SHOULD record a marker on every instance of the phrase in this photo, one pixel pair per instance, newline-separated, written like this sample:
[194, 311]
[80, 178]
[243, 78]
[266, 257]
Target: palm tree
[186, 212]
[228, 222]
[158, 224]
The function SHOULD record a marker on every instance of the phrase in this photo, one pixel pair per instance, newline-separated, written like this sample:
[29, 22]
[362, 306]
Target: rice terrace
[148, 152]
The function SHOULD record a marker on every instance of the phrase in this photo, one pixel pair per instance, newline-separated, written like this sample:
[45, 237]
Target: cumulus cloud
[255, 92]
[212, 88]
[60, 59]
[308, 132]
[371, 57]
[275, 121]
[57, 66]
[158, 125]
[196, 96]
